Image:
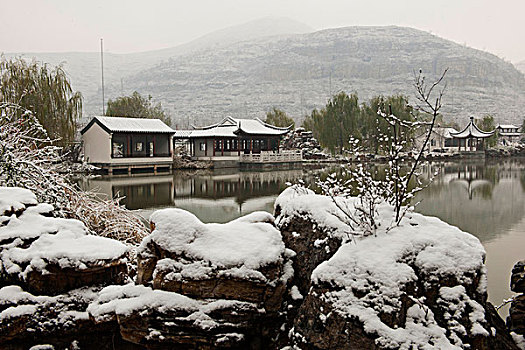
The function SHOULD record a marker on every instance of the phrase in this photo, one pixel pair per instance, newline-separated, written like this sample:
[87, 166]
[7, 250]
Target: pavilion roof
[131, 125]
[471, 131]
[231, 127]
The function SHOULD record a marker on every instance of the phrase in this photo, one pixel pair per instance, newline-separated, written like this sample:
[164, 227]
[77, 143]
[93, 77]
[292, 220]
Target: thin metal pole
[102, 70]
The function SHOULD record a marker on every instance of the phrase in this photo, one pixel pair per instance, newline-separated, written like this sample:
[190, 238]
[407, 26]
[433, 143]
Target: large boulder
[157, 318]
[419, 285]
[27, 320]
[244, 259]
[48, 255]
[516, 319]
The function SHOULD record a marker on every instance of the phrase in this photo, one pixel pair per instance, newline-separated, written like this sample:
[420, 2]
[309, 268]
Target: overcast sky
[140, 25]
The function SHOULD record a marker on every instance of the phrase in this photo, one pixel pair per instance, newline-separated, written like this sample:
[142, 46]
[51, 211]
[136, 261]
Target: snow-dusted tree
[396, 188]
[400, 192]
[29, 159]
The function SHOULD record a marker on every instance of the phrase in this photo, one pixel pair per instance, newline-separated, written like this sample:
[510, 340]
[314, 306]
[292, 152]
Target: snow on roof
[249, 242]
[124, 124]
[507, 126]
[230, 127]
[471, 130]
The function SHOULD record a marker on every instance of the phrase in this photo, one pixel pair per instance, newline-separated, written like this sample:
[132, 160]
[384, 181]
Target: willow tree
[277, 117]
[46, 92]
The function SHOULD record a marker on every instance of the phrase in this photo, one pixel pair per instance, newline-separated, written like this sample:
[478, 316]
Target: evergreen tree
[487, 124]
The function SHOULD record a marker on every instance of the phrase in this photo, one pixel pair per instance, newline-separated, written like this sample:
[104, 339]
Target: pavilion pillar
[238, 147]
[222, 147]
[214, 146]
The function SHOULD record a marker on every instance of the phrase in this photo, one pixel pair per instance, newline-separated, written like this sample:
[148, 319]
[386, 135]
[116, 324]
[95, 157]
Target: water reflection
[486, 199]
[214, 196]
[483, 198]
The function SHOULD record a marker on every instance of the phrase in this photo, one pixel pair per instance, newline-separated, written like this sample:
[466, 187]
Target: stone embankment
[307, 279]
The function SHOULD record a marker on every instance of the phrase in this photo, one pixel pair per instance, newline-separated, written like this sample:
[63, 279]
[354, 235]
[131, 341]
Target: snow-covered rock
[27, 320]
[244, 259]
[419, 285]
[151, 317]
[52, 255]
[516, 319]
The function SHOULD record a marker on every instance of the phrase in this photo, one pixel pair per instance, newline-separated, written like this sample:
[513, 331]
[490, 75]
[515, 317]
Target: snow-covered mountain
[246, 70]
[521, 66]
[298, 73]
[84, 68]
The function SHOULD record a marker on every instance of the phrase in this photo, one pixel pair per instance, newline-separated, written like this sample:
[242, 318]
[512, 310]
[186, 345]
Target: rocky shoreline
[298, 279]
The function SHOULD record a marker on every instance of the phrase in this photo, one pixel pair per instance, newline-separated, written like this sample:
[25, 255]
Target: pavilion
[240, 140]
[471, 137]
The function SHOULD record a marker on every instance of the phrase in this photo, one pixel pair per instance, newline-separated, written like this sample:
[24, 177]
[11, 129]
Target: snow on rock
[312, 226]
[27, 319]
[421, 285]
[244, 259]
[249, 241]
[148, 316]
[299, 202]
[52, 255]
[15, 199]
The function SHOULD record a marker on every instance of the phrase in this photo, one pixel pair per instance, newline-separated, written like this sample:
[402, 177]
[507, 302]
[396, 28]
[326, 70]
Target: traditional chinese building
[241, 140]
[128, 145]
[471, 138]
[508, 133]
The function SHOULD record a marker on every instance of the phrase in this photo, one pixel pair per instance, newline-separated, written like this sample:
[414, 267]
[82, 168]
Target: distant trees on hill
[344, 117]
[46, 92]
[137, 106]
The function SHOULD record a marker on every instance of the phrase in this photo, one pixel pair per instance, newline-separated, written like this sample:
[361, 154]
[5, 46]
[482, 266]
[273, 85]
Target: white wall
[97, 145]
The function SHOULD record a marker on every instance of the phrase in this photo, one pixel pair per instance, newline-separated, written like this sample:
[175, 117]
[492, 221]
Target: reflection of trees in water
[485, 199]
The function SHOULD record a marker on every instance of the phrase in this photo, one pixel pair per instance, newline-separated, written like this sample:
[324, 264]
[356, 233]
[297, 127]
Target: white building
[508, 133]
[128, 145]
[238, 140]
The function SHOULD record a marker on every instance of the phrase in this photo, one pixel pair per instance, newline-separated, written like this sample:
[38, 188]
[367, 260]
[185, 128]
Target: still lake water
[484, 198]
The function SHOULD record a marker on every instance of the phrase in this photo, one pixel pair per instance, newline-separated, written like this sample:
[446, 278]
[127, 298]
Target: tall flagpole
[102, 69]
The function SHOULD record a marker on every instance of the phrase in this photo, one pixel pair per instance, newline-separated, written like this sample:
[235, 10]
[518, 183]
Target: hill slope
[521, 66]
[298, 73]
[84, 67]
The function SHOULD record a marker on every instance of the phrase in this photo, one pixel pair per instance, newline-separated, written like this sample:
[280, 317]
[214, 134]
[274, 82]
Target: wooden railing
[271, 157]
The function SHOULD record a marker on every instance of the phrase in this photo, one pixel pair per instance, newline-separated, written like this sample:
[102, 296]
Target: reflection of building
[508, 133]
[128, 145]
[136, 192]
[471, 138]
[237, 140]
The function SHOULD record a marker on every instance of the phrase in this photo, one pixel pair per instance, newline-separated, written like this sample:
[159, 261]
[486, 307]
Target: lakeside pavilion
[232, 139]
[471, 137]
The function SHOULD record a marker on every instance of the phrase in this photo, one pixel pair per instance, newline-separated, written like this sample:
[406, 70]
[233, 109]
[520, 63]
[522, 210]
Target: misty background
[207, 59]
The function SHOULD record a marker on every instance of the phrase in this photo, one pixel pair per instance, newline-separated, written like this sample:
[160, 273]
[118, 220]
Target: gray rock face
[516, 319]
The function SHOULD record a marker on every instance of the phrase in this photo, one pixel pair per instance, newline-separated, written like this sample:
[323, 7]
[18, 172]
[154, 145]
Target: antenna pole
[102, 70]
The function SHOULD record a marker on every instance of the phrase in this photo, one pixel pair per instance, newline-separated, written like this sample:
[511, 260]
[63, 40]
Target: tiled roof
[471, 130]
[124, 124]
[230, 127]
